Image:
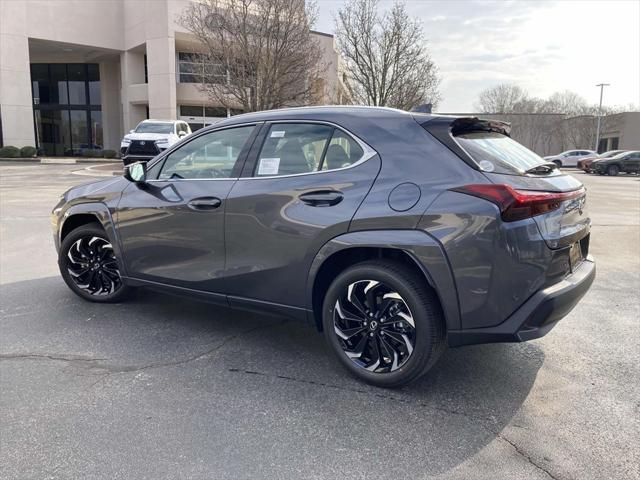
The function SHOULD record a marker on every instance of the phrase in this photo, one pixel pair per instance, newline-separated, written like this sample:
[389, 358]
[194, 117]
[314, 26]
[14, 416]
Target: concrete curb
[58, 160]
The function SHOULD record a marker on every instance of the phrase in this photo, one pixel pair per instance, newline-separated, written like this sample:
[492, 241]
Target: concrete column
[111, 106]
[15, 77]
[131, 73]
[161, 68]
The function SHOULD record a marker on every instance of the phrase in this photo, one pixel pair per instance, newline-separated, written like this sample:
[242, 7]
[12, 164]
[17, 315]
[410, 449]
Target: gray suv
[394, 233]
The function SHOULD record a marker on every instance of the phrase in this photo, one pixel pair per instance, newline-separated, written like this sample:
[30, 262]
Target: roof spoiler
[470, 124]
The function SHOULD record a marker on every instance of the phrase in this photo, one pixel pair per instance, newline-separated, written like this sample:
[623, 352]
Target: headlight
[162, 143]
[125, 141]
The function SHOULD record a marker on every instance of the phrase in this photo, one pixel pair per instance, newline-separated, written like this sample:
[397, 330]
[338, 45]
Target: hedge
[9, 152]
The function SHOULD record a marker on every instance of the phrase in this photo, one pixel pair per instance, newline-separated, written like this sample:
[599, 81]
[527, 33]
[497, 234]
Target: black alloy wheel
[89, 266]
[375, 327]
[383, 322]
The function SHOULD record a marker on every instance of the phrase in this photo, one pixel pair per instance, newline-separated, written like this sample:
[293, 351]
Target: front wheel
[383, 323]
[89, 267]
[613, 170]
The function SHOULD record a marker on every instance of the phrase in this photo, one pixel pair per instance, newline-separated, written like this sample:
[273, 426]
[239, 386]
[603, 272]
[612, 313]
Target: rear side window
[494, 152]
[297, 148]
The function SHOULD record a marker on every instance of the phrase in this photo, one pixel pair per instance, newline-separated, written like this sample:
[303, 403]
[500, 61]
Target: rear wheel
[383, 323]
[613, 170]
[89, 267]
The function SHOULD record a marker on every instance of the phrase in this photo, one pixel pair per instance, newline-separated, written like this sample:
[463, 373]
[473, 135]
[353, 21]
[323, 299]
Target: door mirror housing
[136, 172]
[182, 134]
[132, 131]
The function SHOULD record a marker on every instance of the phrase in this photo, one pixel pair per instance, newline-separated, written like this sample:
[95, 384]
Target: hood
[552, 157]
[147, 136]
[92, 188]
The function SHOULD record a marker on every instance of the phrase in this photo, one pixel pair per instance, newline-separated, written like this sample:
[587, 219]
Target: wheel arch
[415, 249]
[87, 213]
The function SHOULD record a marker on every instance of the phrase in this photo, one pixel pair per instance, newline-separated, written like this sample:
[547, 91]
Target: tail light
[518, 204]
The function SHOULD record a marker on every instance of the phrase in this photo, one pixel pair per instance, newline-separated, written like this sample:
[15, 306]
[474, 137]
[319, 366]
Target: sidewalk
[59, 160]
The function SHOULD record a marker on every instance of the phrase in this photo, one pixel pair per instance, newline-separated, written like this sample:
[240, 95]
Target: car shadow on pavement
[273, 373]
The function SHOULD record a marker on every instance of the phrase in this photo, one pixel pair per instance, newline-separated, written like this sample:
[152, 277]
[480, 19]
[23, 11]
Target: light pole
[601, 85]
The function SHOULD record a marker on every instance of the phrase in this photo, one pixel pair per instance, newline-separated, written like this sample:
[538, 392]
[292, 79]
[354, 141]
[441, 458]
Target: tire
[403, 353]
[558, 163]
[613, 170]
[98, 282]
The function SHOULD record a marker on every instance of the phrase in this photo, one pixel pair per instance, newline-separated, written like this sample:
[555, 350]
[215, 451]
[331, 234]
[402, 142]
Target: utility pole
[601, 85]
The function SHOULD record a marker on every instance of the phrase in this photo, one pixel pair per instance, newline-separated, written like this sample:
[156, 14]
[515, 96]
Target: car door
[301, 187]
[631, 162]
[171, 227]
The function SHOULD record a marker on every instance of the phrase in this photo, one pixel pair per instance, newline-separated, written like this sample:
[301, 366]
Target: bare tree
[257, 54]
[503, 98]
[386, 59]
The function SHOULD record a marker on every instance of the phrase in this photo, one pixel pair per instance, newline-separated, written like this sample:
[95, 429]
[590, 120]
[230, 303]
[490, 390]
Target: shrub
[28, 152]
[109, 153]
[9, 152]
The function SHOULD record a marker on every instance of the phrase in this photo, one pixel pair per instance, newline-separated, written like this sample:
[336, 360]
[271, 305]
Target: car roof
[151, 120]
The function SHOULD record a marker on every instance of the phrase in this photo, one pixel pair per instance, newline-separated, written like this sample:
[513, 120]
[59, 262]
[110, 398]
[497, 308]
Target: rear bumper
[538, 315]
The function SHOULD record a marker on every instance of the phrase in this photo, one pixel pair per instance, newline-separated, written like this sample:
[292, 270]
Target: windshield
[611, 153]
[494, 152]
[148, 127]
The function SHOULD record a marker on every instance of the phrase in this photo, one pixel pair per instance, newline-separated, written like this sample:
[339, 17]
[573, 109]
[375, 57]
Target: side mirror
[136, 172]
[182, 134]
[132, 131]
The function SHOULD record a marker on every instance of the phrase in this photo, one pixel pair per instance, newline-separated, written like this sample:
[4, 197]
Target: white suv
[570, 157]
[150, 138]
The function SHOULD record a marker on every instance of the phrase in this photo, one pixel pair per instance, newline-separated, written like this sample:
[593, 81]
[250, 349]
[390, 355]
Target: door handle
[205, 203]
[322, 198]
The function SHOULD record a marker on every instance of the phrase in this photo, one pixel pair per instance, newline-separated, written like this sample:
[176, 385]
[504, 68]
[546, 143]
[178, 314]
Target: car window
[149, 127]
[212, 155]
[342, 151]
[498, 153]
[295, 148]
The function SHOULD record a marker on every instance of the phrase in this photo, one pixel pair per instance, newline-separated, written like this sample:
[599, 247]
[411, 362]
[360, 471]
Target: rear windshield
[155, 128]
[494, 152]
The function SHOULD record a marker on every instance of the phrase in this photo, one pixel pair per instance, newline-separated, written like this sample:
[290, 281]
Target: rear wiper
[546, 167]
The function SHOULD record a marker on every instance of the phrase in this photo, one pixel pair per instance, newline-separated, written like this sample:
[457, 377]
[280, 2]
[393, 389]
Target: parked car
[394, 234]
[585, 163]
[570, 158]
[628, 162]
[150, 138]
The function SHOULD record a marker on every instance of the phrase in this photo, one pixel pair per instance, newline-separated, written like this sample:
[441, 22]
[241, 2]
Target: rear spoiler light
[519, 204]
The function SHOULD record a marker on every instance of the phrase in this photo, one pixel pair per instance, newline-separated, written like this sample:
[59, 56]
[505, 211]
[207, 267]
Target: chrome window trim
[368, 152]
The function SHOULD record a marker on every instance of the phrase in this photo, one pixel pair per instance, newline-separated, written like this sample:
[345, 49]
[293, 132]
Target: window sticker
[277, 134]
[268, 166]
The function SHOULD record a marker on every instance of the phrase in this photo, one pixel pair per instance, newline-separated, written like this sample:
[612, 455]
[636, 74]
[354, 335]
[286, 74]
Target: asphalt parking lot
[162, 387]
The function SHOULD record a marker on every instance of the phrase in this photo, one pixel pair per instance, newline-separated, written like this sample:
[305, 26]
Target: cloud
[479, 43]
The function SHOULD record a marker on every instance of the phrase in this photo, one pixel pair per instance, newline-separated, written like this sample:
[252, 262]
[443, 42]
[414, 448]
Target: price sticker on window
[277, 134]
[268, 166]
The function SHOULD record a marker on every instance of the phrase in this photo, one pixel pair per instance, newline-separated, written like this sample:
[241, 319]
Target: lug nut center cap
[373, 325]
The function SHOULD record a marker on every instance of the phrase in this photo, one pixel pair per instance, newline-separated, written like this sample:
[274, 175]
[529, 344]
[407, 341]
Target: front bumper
[538, 315]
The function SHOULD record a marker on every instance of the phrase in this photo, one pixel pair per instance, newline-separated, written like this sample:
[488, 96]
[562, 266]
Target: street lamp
[601, 85]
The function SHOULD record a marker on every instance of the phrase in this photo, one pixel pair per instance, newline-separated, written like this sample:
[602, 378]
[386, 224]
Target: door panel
[172, 227]
[173, 231]
[275, 226]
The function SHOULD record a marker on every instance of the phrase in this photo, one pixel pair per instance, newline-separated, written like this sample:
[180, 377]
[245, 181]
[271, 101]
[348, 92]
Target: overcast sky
[543, 46]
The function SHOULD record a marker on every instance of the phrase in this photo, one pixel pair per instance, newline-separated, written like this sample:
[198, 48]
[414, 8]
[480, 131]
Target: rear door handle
[205, 203]
[322, 198]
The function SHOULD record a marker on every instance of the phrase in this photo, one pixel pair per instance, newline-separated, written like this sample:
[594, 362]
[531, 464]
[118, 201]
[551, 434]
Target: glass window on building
[199, 68]
[67, 108]
[93, 77]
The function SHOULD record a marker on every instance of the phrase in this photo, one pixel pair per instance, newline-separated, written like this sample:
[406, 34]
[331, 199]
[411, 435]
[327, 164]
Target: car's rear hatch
[558, 199]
